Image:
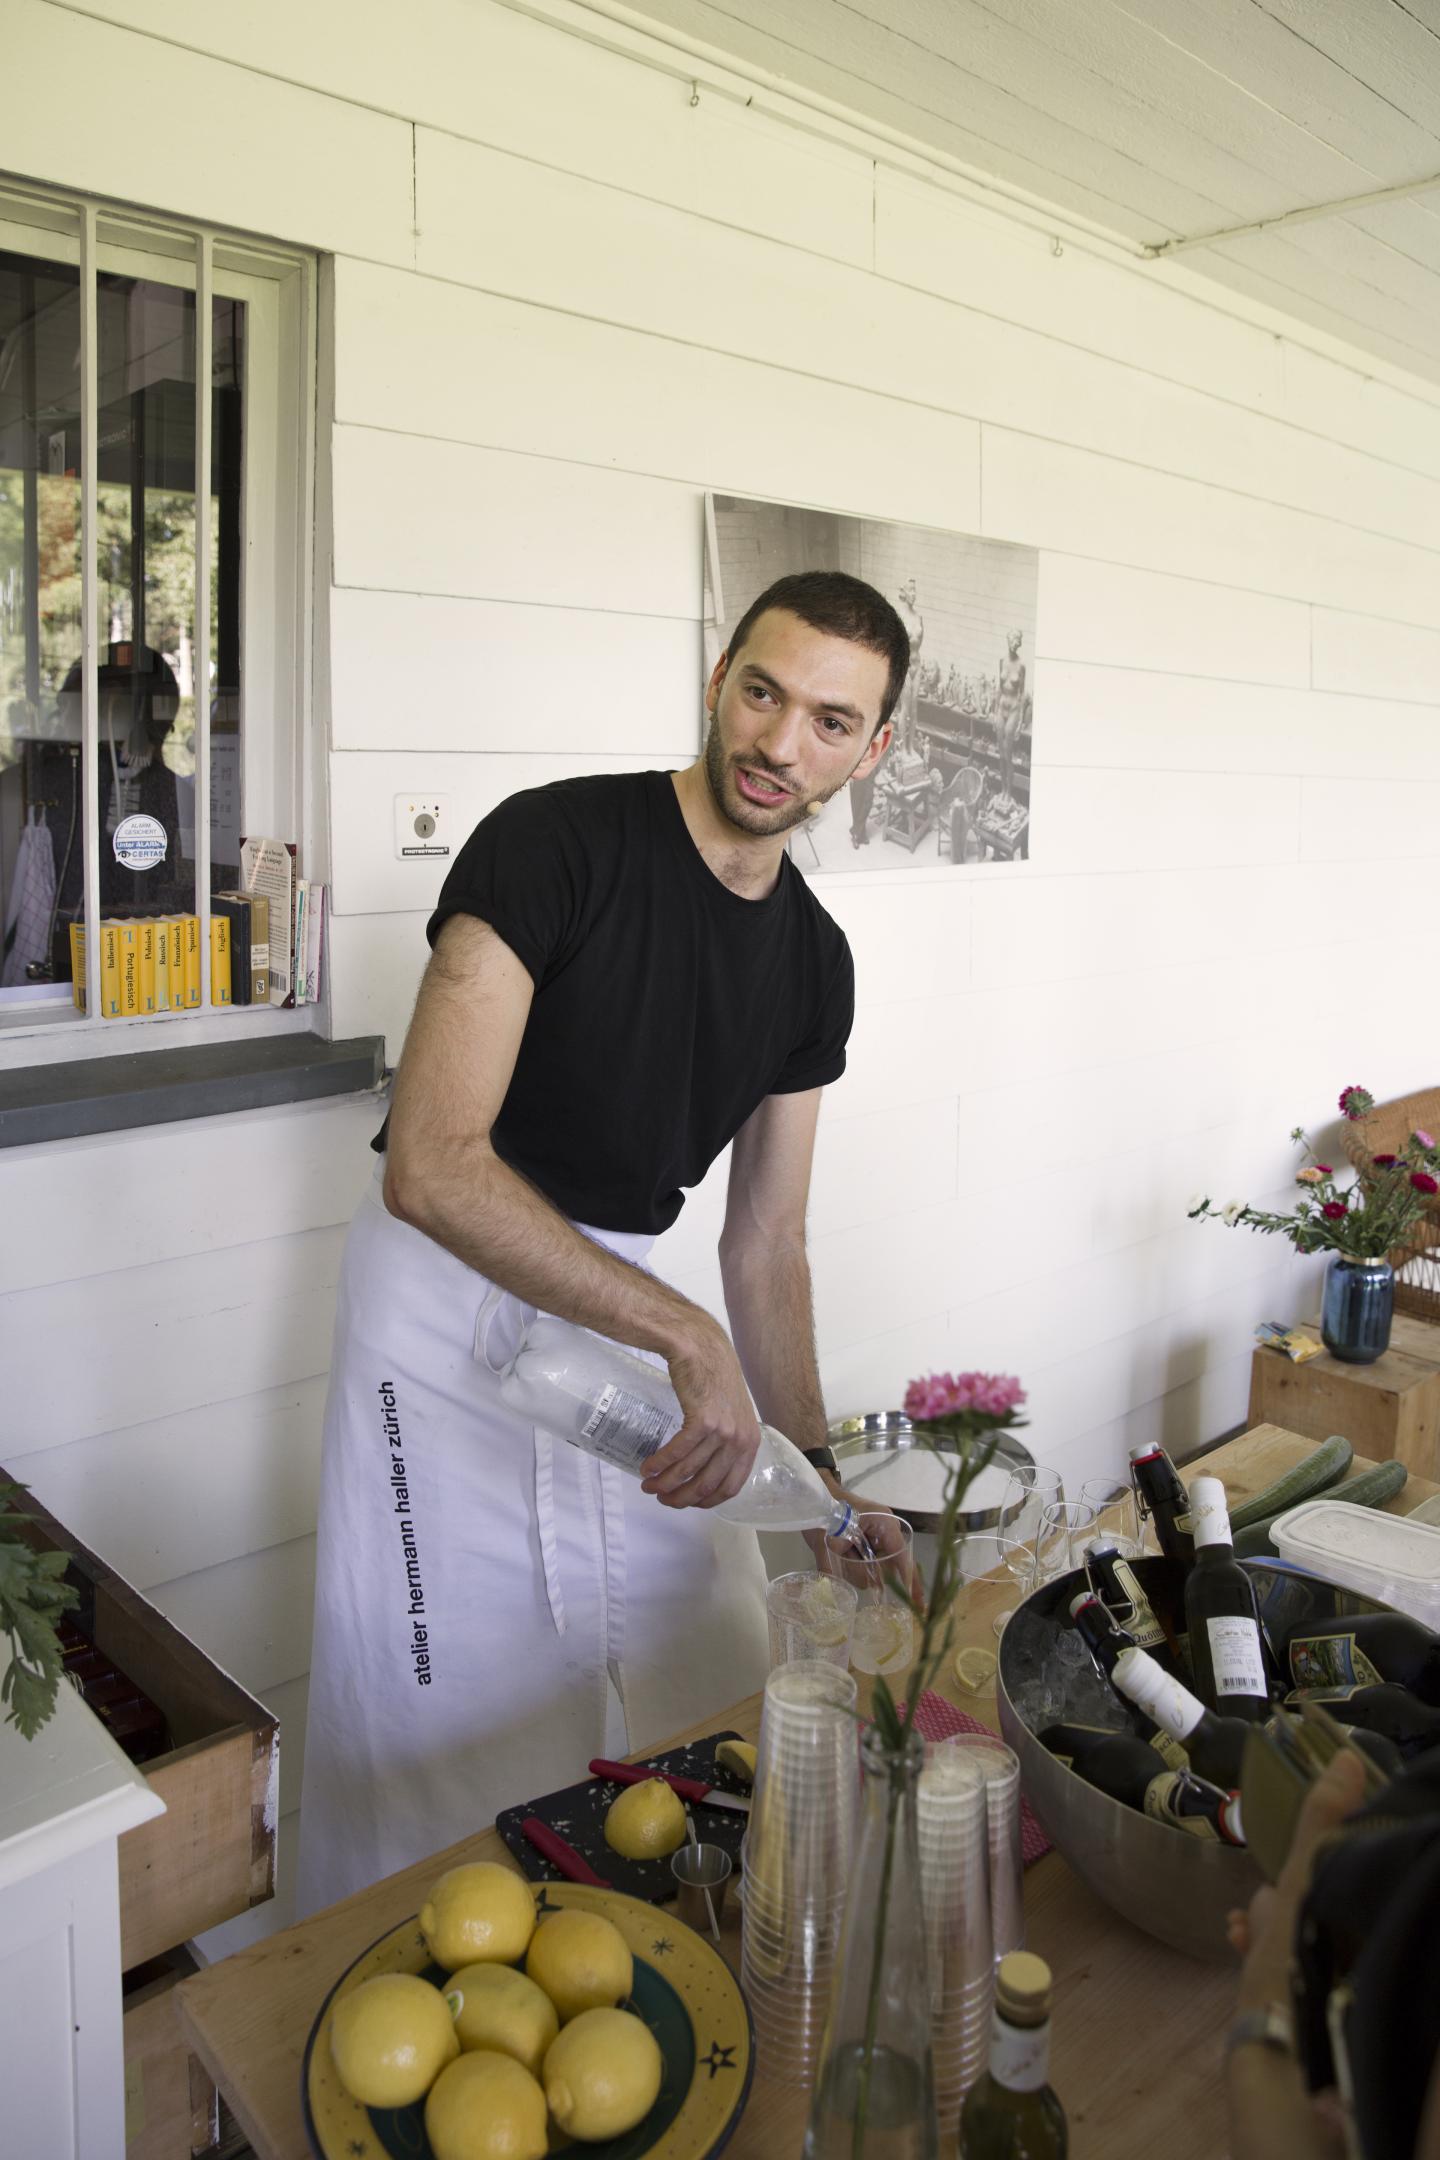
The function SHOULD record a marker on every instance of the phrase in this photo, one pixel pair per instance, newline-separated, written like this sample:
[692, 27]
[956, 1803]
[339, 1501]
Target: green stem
[877, 1966]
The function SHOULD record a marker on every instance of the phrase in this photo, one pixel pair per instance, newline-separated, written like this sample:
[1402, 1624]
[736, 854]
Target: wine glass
[1062, 1524]
[1030, 1489]
[1113, 1500]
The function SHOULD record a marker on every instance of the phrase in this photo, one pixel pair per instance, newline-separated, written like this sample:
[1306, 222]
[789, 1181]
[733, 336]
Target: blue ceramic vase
[1357, 1308]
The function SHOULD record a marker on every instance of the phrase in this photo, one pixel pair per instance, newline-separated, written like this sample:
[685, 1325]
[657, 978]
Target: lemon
[480, 1914]
[581, 1960]
[602, 2074]
[390, 2037]
[974, 1668]
[486, 2107]
[738, 1757]
[647, 1822]
[496, 2007]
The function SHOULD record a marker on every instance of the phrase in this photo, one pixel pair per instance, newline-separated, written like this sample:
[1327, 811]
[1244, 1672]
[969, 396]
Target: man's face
[792, 720]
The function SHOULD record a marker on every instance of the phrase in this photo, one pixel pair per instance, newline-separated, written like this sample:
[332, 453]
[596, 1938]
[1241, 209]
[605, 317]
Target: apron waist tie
[545, 1522]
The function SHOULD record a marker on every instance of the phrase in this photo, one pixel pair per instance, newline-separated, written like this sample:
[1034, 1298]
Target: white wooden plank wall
[566, 301]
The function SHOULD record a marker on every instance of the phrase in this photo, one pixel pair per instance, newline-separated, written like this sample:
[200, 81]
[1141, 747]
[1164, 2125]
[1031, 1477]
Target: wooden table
[1135, 2053]
[1388, 1409]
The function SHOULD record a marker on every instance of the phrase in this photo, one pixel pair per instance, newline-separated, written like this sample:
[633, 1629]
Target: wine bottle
[1120, 1588]
[1010, 2112]
[1222, 1620]
[1358, 1649]
[1215, 1745]
[1104, 1638]
[1164, 1499]
[1133, 1772]
[1382, 1709]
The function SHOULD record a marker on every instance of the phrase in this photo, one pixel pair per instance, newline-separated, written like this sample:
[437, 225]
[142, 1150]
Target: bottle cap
[1146, 1449]
[1022, 1988]
[1209, 1512]
[1084, 1597]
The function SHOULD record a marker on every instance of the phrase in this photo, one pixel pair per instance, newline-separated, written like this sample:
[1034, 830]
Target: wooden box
[212, 1853]
[1388, 1409]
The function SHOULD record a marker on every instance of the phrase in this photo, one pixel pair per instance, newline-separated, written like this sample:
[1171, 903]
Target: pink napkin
[936, 1719]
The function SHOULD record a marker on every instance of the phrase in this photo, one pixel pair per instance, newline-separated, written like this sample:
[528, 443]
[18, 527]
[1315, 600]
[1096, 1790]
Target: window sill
[112, 1094]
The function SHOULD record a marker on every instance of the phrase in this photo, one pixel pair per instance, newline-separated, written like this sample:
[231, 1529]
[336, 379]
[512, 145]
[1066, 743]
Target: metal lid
[880, 1456]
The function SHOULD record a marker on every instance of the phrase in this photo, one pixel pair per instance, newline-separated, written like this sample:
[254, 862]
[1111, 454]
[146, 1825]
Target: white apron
[484, 1593]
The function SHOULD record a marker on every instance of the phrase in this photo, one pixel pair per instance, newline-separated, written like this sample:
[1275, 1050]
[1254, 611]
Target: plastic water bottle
[611, 1403]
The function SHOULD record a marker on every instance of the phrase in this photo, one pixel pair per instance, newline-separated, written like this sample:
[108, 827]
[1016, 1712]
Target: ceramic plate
[684, 1991]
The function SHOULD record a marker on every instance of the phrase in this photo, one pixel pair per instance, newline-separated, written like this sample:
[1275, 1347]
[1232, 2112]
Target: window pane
[40, 835]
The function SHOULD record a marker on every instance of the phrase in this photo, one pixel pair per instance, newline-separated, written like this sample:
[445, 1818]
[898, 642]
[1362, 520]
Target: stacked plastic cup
[954, 1825]
[1000, 1766]
[798, 1854]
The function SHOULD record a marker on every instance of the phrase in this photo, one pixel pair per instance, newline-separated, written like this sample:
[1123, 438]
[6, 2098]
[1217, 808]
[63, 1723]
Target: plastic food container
[1389, 1557]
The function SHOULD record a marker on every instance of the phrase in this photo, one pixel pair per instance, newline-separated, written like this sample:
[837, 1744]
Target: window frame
[280, 287]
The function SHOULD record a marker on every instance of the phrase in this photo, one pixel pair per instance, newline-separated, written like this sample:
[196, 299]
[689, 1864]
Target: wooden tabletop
[248, 2017]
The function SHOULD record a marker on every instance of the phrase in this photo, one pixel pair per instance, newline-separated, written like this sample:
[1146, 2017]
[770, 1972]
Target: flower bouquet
[1359, 1225]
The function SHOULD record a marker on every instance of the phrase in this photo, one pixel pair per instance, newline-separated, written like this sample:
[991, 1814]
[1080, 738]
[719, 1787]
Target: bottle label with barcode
[624, 1429]
[1235, 1656]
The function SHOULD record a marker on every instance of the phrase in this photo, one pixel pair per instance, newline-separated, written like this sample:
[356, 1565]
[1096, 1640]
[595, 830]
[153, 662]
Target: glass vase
[1356, 1309]
[874, 2096]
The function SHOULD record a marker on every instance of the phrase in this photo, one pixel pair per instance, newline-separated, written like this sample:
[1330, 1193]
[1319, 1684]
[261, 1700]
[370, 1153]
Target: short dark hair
[842, 606]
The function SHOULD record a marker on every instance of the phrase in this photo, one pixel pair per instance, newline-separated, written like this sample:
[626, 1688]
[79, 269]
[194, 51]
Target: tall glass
[882, 1634]
[874, 2095]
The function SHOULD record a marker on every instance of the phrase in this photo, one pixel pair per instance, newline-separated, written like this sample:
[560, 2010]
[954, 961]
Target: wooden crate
[212, 1853]
[172, 2109]
[1388, 1409]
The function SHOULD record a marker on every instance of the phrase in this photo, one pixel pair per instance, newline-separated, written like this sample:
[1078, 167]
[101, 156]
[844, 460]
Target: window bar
[89, 605]
[204, 368]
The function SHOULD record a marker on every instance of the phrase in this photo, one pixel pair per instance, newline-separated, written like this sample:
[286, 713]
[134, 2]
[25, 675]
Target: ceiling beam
[1302, 216]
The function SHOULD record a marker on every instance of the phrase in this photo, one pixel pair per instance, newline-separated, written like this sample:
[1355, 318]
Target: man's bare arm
[765, 1268]
[443, 1176]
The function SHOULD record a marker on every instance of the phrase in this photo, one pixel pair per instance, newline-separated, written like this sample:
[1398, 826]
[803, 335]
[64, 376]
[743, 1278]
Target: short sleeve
[523, 872]
[819, 1057]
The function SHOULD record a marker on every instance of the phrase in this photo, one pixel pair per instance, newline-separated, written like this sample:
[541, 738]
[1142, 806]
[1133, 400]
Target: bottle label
[1019, 2055]
[1169, 1749]
[1321, 1694]
[1162, 1804]
[1330, 1661]
[624, 1429]
[1235, 1656]
[1142, 1623]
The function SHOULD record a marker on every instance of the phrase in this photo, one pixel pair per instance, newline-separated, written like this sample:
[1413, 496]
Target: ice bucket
[1176, 1887]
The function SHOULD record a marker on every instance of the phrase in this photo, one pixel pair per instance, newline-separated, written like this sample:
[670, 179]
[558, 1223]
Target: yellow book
[77, 965]
[164, 933]
[145, 932]
[110, 968]
[219, 959]
[190, 948]
[129, 968]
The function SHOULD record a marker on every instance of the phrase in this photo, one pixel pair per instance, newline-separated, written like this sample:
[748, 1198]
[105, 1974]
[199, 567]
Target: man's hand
[711, 1457]
[887, 1541]
[1265, 1935]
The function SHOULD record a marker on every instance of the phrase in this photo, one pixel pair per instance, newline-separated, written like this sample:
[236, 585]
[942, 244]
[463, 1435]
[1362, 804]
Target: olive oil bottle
[1010, 2113]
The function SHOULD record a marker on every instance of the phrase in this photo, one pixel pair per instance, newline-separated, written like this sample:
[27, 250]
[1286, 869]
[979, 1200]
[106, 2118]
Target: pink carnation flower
[941, 1395]
[1424, 1138]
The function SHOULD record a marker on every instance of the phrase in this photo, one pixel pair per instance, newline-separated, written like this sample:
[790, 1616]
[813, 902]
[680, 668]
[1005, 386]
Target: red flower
[1333, 1210]
[1423, 1182]
[1384, 1162]
[1326, 1169]
[1356, 1102]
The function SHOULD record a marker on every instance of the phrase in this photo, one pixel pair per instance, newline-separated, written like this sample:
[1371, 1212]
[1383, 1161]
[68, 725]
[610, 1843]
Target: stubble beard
[748, 817]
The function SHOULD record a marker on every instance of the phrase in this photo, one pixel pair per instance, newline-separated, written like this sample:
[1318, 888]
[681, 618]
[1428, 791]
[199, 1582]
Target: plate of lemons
[510, 2020]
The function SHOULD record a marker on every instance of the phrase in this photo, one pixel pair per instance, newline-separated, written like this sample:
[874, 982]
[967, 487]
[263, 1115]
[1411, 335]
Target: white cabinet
[65, 1798]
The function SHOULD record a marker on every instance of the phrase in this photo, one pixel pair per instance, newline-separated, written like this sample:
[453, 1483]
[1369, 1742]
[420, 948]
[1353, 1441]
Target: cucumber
[1321, 1467]
[1368, 1488]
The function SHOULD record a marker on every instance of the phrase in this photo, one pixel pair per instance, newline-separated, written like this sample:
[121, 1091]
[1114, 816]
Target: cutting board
[578, 1813]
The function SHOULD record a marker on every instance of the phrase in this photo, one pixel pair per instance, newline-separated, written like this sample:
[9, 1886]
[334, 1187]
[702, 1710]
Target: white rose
[1233, 1210]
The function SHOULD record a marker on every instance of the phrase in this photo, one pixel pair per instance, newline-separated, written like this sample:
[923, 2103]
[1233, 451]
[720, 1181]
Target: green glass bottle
[1010, 2113]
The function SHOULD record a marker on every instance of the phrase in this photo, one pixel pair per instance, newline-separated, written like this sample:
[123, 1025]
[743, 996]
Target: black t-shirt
[666, 1007]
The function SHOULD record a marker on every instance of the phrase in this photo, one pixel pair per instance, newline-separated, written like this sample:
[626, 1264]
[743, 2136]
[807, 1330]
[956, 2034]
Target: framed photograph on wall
[955, 785]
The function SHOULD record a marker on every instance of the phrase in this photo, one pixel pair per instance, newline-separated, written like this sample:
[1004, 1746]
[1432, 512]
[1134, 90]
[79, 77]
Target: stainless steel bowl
[1175, 1887]
[869, 1444]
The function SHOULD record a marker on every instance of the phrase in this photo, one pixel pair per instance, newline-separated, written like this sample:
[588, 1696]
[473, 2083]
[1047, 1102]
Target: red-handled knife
[571, 1864]
[688, 1788]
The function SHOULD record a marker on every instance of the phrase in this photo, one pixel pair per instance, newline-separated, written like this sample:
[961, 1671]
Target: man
[628, 973]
